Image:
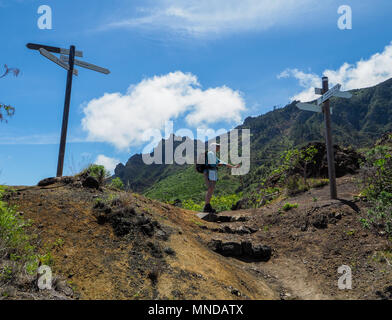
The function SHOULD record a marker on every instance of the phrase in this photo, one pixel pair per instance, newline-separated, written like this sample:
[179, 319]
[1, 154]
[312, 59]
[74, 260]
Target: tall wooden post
[63, 139]
[329, 143]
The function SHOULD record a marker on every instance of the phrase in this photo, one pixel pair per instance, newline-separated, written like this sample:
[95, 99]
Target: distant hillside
[138, 176]
[357, 122]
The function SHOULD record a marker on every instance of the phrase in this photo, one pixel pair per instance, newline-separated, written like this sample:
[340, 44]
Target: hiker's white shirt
[212, 159]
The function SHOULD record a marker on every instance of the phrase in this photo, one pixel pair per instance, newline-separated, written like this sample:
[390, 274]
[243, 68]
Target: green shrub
[98, 172]
[191, 205]
[377, 182]
[14, 241]
[226, 202]
[219, 203]
[6, 274]
[318, 183]
[295, 185]
[117, 184]
[297, 159]
[46, 259]
[288, 206]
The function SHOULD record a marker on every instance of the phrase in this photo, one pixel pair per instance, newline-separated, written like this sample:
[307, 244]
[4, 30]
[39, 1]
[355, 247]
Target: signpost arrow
[318, 91]
[34, 46]
[309, 107]
[329, 94]
[53, 58]
[86, 65]
[343, 94]
[334, 92]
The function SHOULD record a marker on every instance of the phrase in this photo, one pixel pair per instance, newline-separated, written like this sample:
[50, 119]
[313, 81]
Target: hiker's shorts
[211, 175]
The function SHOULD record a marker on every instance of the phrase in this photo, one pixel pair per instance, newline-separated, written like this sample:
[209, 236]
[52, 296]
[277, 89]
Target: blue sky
[197, 63]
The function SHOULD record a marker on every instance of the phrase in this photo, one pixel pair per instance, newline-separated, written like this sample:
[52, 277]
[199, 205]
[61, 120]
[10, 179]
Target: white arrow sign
[343, 94]
[334, 92]
[309, 107]
[318, 91]
[53, 58]
[330, 93]
[86, 65]
[34, 46]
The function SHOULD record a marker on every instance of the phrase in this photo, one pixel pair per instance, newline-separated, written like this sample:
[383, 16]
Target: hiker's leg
[208, 182]
[210, 191]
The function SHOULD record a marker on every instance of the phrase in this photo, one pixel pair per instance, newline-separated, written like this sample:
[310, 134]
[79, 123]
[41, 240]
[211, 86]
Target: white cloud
[212, 17]
[306, 80]
[364, 73]
[109, 163]
[124, 119]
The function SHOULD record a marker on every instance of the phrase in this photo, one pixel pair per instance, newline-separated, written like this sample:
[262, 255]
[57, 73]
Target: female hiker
[211, 173]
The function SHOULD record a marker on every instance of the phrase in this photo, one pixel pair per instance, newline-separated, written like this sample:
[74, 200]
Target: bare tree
[7, 110]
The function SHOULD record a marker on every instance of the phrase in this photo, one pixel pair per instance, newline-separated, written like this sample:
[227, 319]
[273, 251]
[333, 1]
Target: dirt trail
[312, 241]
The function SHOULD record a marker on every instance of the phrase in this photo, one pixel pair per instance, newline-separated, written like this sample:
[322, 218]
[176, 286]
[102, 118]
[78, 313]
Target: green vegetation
[350, 232]
[17, 245]
[190, 185]
[219, 203]
[266, 228]
[295, 184]
[261, 197]
[98, 172]
[116, 183]
[288, 206]
[14, 241]
[383, 257]
[297, 158]
[108, 199]
[377, 181]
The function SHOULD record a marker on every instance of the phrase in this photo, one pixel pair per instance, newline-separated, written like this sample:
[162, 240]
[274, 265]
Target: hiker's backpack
[200, 167]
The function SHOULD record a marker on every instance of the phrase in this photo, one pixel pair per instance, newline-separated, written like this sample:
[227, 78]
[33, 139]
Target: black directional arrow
[34, 46]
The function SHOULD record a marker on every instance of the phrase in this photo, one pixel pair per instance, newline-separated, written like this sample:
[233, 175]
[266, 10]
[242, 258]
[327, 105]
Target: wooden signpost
[67, 62]
[323, 106]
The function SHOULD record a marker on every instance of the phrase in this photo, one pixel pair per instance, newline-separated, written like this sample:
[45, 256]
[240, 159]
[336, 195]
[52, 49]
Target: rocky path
[298, 252]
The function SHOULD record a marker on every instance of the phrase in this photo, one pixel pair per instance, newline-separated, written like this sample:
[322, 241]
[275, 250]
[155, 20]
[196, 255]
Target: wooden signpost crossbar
[67, 62]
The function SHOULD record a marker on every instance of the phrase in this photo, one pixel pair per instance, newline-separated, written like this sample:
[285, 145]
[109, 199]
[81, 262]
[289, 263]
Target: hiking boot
[209, 209]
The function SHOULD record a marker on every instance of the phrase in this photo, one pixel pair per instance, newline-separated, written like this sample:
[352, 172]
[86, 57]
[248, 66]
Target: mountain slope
[117, 245]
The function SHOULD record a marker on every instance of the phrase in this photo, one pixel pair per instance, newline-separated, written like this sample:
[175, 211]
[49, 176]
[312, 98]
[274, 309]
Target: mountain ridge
[356, 122]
